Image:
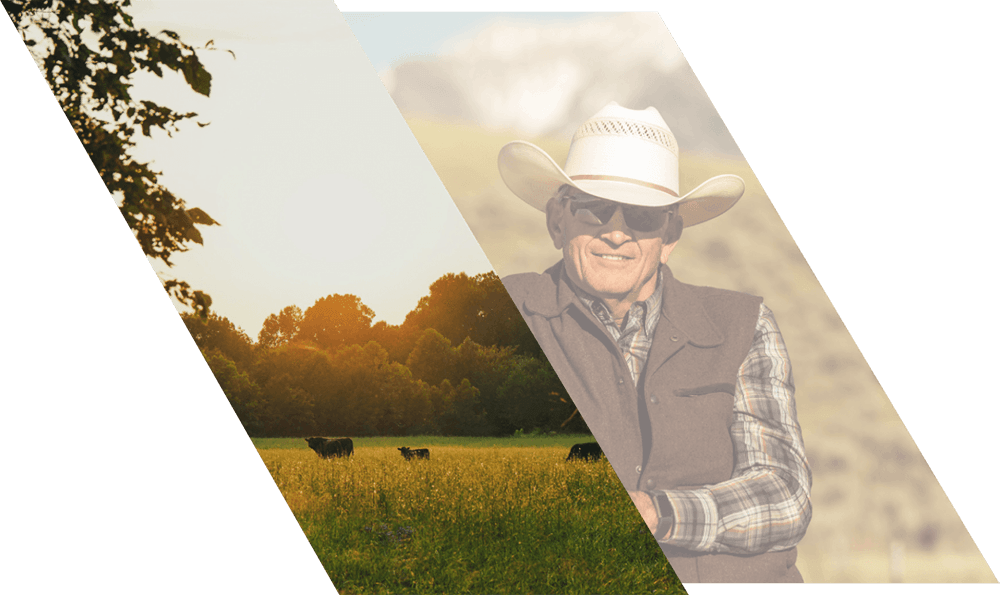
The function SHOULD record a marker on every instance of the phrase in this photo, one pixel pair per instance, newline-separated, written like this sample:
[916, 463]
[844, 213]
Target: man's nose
[615, 231]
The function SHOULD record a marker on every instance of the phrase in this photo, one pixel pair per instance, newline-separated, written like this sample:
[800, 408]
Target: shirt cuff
[664, 515]
[694, 524]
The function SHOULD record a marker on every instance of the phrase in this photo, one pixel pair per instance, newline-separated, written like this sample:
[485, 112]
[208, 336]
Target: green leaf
[196, 76]
[200, 217]
[193, 235]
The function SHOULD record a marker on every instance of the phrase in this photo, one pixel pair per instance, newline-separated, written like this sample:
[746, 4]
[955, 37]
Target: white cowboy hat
[619, 154]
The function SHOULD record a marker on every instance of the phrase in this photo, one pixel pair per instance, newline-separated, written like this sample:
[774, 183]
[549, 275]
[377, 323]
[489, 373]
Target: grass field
[502, 515]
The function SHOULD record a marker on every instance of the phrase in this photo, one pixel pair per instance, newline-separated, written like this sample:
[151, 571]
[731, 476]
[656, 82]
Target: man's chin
[618, 284]
[610, 291]
[612, 287]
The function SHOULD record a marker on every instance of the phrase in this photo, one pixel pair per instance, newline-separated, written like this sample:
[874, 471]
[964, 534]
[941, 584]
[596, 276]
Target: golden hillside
[879, 514]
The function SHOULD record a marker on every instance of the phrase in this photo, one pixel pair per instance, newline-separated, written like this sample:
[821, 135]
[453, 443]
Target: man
[688, 389]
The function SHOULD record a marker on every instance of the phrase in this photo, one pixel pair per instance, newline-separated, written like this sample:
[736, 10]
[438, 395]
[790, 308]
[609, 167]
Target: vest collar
[680, 310]
[684, 311]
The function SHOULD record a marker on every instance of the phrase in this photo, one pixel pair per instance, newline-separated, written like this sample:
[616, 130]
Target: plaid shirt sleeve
[765, 506]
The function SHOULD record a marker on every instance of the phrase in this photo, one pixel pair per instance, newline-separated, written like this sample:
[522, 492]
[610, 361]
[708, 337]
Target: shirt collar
[679, 305]
[648, 309]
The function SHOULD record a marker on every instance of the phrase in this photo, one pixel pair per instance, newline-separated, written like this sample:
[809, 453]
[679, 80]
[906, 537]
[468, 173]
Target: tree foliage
[89, 52]
[432, 359]
[329, 371]
[532, 396]
[336, 320]
[243, 393]
[295, 381]
[462, 307]
[214, 332]
[280, 329]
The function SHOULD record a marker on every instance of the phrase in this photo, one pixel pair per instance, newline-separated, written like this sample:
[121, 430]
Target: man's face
[608, 260]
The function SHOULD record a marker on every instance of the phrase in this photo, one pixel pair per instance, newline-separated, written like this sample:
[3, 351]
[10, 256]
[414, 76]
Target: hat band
[627, 181]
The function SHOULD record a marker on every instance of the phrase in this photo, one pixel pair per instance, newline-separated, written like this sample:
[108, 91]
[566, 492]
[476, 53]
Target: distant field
[481, 516]
[561, 441]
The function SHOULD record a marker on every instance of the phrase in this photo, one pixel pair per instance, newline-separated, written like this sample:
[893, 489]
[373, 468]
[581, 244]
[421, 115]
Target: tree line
[462, 363]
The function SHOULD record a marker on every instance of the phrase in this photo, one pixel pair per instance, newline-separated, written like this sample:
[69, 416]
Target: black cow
[586, 451]
[414, 453]
[328, 448]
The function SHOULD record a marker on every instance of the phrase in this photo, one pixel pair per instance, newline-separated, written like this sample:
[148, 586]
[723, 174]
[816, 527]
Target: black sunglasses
[598, 211]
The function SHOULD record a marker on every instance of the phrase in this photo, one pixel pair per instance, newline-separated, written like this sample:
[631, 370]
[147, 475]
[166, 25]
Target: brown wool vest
[671, 432]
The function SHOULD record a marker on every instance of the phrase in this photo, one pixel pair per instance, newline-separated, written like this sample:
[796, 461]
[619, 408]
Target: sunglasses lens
[599, 212]
[587, 216]
[594, 212]
[644, 218]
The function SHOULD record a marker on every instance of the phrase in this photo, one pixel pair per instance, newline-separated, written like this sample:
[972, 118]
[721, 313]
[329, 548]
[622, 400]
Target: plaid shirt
[635, 337]
[754, 511]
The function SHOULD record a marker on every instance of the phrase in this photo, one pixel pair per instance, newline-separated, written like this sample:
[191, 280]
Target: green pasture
[528, 440]
[506, 515]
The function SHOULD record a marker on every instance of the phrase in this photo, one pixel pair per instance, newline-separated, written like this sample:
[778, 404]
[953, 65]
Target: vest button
[653, 399]
[638, 469]
[675, 338]
[621, 381]
[650, 483]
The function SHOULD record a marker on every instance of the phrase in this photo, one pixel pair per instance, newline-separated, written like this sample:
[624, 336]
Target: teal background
[872, 127]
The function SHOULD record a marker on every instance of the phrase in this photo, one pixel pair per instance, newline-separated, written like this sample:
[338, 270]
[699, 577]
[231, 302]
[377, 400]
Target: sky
[392, 37]
[538, 73]
[316, 181]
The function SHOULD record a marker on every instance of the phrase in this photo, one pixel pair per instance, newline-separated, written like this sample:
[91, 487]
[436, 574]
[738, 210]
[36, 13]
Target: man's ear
[665, 252]
[554, 222]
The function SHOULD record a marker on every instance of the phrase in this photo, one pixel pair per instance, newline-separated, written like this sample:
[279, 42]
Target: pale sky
[391, 37]
[317, 182]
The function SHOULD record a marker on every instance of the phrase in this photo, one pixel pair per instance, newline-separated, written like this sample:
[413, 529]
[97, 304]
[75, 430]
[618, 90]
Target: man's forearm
[657, 513]
[751, 514]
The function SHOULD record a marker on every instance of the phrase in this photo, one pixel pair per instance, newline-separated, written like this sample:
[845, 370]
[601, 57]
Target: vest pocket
[721, 387]
[690, 437]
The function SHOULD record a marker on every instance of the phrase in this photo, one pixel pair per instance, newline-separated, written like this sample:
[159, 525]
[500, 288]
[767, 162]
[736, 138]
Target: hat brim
[534, 177]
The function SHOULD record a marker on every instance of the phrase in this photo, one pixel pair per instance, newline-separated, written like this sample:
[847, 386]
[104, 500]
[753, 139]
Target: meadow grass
[472, 519]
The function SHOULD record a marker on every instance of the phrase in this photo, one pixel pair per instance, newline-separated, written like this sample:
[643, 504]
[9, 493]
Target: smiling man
[688, 389]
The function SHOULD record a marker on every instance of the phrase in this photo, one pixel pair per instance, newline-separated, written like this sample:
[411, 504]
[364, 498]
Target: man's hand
[645, 505]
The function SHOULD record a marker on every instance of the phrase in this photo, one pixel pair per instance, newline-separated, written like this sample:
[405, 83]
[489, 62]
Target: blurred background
[469, 83]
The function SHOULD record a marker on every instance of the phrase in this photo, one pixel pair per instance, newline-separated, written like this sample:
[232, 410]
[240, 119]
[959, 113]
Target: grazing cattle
[414, 453]
[328, 448]
[586, 451]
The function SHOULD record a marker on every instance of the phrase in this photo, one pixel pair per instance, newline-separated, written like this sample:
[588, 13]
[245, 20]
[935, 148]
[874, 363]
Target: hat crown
[615, 120]
[625, 155]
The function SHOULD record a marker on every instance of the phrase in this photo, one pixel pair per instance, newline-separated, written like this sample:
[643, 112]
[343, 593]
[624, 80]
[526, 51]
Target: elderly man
[688, 389]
